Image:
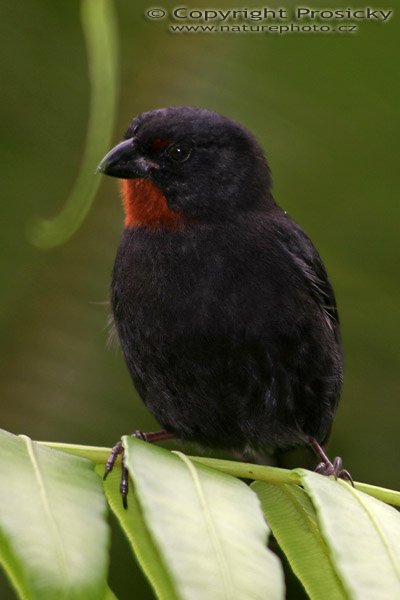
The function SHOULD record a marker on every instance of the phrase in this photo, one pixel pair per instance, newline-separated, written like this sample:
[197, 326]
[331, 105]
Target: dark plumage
[222, 305]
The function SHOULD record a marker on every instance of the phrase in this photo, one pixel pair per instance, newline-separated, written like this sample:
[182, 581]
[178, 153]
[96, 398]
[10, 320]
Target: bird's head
[197, 164]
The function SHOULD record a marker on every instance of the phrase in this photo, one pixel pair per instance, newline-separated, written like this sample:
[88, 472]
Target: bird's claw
[118, 450]
[334, 468]
[326, 467]
[124, 485]
[115, 452]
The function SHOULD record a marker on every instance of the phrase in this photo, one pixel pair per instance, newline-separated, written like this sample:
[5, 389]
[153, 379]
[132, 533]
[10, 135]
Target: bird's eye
[179, 152]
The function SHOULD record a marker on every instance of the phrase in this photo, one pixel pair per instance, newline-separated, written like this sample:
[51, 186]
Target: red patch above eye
[160, 143]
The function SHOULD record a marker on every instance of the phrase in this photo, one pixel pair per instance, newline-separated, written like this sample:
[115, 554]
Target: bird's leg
[326, 467]
[152, 437]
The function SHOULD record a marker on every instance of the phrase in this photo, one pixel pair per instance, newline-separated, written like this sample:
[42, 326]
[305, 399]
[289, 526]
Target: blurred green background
[326, 109]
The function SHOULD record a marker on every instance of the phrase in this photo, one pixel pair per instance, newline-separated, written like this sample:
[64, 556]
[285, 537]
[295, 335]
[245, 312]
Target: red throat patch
[145, 204]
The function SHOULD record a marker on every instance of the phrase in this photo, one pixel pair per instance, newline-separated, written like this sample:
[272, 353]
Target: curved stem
[100, 31]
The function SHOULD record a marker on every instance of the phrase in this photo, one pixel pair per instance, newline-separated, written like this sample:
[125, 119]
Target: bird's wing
[304, 255]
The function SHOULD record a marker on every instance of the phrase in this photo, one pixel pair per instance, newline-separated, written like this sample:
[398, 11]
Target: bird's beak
[120, 161]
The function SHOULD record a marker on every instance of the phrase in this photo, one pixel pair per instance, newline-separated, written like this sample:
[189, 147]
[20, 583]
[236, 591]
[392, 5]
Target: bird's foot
[334, 468]
[151, 437]
[327, 467]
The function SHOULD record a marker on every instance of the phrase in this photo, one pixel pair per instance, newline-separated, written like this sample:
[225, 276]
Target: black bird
[221, 303]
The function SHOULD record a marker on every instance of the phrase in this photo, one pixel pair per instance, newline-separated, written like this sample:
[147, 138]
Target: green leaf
[293, 520]
[134, 526]
[53, 531]
[363, 535]
[207, 526]
[110, 595]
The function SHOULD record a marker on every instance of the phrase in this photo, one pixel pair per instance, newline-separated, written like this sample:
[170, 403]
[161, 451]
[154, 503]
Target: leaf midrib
[53, 527]
[378, 529]
[219, 552]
